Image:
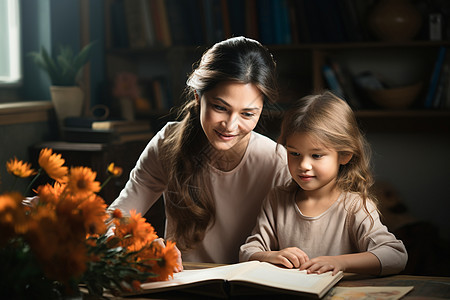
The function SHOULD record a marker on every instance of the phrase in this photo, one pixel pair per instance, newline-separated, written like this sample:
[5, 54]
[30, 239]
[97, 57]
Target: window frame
[13, 76]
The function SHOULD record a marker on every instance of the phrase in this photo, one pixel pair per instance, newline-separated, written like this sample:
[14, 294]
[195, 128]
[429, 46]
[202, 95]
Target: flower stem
[33, 181]
[106, 181]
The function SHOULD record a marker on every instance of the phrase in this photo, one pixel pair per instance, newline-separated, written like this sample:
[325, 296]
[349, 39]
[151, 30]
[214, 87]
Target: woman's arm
[264, 236]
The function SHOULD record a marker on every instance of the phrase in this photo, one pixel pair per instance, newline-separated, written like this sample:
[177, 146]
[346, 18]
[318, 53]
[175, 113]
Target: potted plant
[64, 71]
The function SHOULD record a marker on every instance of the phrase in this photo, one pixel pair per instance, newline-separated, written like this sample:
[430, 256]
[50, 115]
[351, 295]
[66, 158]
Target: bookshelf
[299, 59]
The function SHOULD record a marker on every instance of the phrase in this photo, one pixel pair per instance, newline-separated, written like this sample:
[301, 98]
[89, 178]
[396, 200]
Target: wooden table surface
[425, 287]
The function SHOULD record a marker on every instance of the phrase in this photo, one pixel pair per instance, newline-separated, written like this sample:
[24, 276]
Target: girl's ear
[345, 157]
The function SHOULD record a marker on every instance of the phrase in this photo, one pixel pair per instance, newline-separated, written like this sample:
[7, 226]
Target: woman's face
[228, 113]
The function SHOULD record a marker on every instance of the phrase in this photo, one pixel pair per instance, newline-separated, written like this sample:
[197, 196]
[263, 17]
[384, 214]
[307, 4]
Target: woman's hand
[179, 266]
[291, 257]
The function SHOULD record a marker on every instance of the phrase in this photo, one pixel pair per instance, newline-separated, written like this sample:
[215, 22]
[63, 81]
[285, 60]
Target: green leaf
[65, 70]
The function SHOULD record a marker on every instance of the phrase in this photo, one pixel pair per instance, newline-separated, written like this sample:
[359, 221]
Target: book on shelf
[245, 279]
[435, 75]
[282, 21]
[110, 136]
[237, 14]
[117, 125]
[345, 80]
[214, 20]
[251, 24]
[122, 125]
[266, 22]
[185, 21]
[119, 31]
[441, 93]
[160, 21]
[136, 17]
[332, 81]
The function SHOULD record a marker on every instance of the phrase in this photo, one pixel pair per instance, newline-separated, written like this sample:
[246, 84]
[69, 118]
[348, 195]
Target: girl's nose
[304, 164]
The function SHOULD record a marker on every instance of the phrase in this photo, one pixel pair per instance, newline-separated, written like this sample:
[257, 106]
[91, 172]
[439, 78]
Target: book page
[193, 276]
[290, 279]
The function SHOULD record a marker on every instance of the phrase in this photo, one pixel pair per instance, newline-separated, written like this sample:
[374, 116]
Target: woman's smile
[225, 136]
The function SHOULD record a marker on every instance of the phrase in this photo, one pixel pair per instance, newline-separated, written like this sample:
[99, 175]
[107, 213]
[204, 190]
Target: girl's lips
[306, 177]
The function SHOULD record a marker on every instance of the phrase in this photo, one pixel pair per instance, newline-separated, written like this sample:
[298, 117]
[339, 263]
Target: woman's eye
[248, 115]
[218, 107]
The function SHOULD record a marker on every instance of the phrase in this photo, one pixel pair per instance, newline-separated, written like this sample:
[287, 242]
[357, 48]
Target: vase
[67, 101]
[394, 20]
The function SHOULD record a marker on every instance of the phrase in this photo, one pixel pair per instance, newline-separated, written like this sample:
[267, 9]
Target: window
[10, 66]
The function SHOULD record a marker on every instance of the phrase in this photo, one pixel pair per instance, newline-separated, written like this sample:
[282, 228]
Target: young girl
[325, 219]
[213, 170]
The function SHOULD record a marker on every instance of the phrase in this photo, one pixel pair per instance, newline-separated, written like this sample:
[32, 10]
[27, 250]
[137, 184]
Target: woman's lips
[225, 136]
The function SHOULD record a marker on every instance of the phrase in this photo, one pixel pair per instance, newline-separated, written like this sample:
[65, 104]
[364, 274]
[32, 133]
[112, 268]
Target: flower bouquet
[58, 240]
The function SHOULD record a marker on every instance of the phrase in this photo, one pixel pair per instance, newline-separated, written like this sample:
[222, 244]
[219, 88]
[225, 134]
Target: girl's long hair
[186, 151]
[331, 121]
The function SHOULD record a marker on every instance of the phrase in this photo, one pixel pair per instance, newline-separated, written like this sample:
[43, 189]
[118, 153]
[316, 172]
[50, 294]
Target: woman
[211, 167]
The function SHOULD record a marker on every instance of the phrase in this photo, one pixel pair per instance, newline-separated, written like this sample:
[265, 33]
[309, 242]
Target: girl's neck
[315, 203]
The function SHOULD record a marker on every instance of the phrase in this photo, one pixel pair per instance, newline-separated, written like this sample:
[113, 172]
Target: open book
[247, 278]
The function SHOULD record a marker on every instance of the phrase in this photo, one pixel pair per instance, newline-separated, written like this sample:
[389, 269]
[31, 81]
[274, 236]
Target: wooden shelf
[300, 72]
[358, 45]
[410, 121]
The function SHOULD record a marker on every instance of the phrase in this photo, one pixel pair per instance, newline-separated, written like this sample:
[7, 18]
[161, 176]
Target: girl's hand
[361, 263]
[322, 264]
[291, 257]
[179, 266]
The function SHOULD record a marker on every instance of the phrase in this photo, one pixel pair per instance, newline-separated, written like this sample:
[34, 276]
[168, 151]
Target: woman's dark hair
[185, 149]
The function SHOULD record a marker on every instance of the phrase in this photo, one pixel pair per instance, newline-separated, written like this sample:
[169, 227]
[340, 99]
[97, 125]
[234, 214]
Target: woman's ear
[197, 97]
[345, 157]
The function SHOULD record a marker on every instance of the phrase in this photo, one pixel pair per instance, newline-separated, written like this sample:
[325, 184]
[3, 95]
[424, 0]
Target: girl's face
[228, 113]
[313, 166]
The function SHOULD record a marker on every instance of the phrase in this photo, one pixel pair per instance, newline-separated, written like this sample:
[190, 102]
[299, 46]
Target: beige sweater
[281, 224]
[238, 194]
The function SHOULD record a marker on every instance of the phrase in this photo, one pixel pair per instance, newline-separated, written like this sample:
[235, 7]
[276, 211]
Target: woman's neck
[229, 159]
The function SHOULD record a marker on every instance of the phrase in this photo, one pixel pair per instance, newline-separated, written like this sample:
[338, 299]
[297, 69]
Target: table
[425, 287]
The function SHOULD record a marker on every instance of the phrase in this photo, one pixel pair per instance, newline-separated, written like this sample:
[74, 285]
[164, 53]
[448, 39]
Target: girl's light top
[281, 224]
[238, 194]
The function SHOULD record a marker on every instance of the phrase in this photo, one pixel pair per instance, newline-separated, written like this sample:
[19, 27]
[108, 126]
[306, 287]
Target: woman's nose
[231, 122]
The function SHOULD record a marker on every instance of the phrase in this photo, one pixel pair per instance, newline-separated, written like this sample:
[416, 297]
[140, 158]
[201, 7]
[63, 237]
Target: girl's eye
[317, 156]
[294, 154]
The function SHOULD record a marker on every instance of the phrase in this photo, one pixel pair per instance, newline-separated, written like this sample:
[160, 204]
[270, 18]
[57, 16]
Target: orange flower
[12, 216]
[117, 214]
[114, 171]
[52, 164]
[135, 231]
[50, 194]
[136, 284]
[43, 234]
[82, 181]
[164, 260]
[19, 168]
[93, 211]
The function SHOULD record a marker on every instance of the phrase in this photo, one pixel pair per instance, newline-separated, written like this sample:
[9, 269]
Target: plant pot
[67, 101]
